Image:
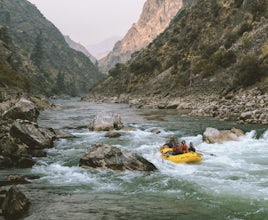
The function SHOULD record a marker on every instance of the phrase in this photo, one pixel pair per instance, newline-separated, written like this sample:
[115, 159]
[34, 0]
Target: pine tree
[38, 53]
[4, 36]
[60, 85]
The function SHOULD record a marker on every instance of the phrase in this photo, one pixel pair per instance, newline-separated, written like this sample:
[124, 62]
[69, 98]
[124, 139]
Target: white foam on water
[59, 175]
[265, 136]
[62, 175]
[232, 167]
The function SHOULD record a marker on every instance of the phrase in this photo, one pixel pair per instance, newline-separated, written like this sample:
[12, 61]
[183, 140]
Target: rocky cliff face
[39, 52]
[79, 47]
[155, 17]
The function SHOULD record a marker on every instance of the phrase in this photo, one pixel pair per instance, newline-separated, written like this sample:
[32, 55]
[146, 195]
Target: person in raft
[191, 147]
[183, 147]
[172, 143]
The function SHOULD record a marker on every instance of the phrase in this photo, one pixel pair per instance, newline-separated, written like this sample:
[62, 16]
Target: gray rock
[32, 135]
[213, 135]
[106, 123]
[246, 115]
[15, 204]
[105, 156]
[14, 154]
[23, 109]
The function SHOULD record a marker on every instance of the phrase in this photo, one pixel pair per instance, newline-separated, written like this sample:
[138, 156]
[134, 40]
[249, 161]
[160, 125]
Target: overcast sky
[91, 21]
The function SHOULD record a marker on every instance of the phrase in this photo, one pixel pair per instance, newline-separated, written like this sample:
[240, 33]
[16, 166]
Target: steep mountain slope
[40, 53]
[8, 71]
[155, 17]
[79, 47]
[212, 47]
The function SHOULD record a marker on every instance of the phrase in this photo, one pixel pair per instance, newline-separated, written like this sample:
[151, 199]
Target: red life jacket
[183, 148]
[175, 148]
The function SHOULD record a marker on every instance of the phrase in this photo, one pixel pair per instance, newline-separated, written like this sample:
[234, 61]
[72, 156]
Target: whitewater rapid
[233, 167]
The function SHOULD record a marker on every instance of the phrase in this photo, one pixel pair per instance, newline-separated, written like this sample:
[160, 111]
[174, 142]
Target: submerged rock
[13, 180]
[112, 134]
[63, 134]
[105, 156]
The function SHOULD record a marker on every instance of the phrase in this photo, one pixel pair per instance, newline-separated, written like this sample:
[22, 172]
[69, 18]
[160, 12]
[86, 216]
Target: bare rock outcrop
[105, 156]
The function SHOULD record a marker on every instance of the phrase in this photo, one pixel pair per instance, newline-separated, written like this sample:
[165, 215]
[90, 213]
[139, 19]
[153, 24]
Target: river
[231, 185]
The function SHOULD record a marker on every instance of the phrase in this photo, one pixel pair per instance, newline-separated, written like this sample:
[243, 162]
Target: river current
[232, 184]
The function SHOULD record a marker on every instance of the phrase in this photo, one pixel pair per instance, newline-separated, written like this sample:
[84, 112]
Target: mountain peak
[101, 49]
[155, 17]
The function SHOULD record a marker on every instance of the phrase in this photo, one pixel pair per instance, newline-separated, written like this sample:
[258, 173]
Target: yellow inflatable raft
[190, 157]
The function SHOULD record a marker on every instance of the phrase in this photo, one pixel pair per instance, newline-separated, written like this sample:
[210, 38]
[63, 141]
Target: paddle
[207, 153]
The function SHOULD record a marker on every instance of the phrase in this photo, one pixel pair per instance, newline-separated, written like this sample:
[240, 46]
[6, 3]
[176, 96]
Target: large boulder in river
[32, 135]
[23, 109]
[106, 123]
[15, 204]
[213, 135]
[21, 140]
[14, 154]
[105, 156]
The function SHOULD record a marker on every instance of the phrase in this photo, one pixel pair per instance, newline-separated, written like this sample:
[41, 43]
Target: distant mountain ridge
[101, 49]
[154, 18]
[39, 52]
[79, 47]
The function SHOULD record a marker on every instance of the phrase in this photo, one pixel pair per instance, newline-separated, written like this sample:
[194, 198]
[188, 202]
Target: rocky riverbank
[21, 138]
[21, 141]
[243, 106]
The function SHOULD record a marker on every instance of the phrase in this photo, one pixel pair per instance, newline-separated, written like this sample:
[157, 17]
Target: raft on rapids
[190, 157]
